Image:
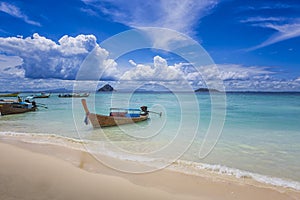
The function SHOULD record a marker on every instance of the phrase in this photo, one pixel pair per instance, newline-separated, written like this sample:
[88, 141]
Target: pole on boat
[42, 105]
[160, 113]
[145, 110]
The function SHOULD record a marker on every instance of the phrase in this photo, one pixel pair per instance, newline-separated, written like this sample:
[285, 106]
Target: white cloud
[234, 77]
[38, 62]
[253, 78]
[285, 32]
[26, 84]
[10, 66]
[10, 61]
[234, 72]
[285, 29]
[160, 71]
[240, 78]
[262, 19]
[267, 6]
[16, 12]
[81, 44]
[179, 15]
[89, 11]
[132, 62]
[15, 72]
[263, 85]
[43, 58]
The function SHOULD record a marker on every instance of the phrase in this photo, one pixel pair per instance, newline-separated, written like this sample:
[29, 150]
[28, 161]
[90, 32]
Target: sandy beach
[149, 100]
[33, 171]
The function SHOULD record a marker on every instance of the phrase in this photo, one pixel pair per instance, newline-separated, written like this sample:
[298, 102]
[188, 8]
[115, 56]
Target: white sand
[32, 171]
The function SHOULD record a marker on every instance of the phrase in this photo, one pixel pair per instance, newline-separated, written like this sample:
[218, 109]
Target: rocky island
[206, 90]
[106, 88]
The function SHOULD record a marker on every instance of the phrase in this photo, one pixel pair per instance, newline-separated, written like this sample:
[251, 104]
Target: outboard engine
[33, 104]
[144, 110]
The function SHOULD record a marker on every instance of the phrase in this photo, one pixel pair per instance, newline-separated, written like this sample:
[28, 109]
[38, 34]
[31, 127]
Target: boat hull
[10, 108]
[73, 95]
[41, 97]
[9, 95]
[107, 121]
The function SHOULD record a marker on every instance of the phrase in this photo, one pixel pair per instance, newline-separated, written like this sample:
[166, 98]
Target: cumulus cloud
[33, 59]
[234, 77]
[10, 66]
[253, 78]
[160, 71]
[239, 78]
[44, 58]
[16, 12]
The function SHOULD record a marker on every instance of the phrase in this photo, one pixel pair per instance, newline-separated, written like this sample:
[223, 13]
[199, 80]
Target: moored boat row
[117, 116]
[73, 95]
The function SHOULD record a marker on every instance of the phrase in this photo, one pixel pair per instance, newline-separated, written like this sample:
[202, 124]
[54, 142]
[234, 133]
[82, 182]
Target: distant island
[206, 90]
[106, 88]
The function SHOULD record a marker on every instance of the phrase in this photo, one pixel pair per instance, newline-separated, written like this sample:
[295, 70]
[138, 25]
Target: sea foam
[195, 168]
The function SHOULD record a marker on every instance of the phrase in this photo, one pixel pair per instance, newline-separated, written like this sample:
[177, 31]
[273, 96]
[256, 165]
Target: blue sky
[255, 44]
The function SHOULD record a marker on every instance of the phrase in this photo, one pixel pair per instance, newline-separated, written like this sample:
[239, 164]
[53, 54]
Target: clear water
[260, 138]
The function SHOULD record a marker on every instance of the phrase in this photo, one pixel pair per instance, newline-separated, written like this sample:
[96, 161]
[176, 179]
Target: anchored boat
[117, 116]
[8, 108]
[74, 95]
[42, 95]
[10, 95]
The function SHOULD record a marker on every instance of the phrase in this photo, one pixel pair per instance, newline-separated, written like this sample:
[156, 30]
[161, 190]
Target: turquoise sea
[260, 138]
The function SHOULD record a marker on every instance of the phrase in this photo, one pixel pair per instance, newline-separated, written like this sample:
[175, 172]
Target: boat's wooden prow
[83, 101]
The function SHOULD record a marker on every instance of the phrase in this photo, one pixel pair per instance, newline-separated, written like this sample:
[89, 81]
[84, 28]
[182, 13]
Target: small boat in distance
[117, 116]
[74, 95]
[42, 95]
[14, 107]
[10, 94]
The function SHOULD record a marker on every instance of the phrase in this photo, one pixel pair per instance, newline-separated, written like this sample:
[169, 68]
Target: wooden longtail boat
[8, 108]
[10, 95]
[118, 116]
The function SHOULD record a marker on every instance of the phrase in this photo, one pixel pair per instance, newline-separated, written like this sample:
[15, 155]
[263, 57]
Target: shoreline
[165, 183]
[41, 140]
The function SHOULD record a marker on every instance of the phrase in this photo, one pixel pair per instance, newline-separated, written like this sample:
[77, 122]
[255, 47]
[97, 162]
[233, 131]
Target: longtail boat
[117, 116]
[10, 95]
[8, 108]
[42, 95]
[74, 95]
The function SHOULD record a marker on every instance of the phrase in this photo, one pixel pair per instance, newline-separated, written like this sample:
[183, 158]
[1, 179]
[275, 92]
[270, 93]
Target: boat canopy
[125, 109]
